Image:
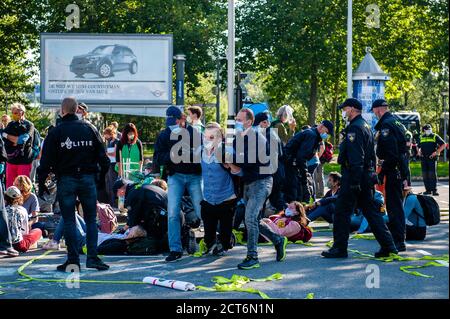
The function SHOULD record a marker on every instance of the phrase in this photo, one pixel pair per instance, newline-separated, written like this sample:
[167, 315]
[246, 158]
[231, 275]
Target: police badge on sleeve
[351, 137]
[385, 132]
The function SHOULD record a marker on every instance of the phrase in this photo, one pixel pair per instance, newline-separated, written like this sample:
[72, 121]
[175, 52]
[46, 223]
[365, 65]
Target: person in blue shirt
[219, 198]
[416, 228]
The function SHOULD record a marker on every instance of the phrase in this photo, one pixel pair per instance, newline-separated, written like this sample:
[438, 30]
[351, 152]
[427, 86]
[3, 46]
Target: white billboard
[107, 69]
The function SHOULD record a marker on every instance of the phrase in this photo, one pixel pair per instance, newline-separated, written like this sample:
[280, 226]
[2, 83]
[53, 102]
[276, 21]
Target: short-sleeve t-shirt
[31, 204]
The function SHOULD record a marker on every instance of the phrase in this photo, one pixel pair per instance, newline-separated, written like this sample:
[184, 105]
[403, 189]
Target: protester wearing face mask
[82, 112]
[248, 146]
[111, 140]
[285, 123]
[391, 151]
[129, 153]
[219, 198]
[430, 147]
[275, 151]
[19, 137]
[183, 170]
[298, 151]
[325, 206]
[194, 118]
[292, 223]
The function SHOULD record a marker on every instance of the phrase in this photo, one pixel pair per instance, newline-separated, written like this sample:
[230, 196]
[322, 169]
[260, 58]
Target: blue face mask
[324, 136]
[239, 127]
[175, 128]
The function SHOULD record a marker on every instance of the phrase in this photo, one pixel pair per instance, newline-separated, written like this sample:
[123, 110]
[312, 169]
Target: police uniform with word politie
[75, 153]
[357, 160]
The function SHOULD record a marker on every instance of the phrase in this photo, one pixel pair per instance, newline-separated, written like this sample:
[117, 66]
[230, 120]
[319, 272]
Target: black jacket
[139, 199]
[73, 147]
[391, 143]
[357, 152]
[250, 154]
[164, 146]
[302, 147]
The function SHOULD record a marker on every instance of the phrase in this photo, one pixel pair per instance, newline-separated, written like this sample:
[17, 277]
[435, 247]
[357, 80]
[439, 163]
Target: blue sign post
[369, 85]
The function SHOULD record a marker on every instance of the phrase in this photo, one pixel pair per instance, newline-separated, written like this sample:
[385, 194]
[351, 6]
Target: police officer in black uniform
[392, 150]
[430, 147]
[74, 152]
[357, 160]
[298, 150]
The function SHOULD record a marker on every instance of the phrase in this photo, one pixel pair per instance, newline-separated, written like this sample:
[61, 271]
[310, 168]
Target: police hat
[352, 102]
[426, 127]
[329, 126]
[379, 103]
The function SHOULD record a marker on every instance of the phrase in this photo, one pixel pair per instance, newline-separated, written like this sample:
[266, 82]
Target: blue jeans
[81, 231]
[326, 212]
[255, 194]
[83, 187]
[177, 183]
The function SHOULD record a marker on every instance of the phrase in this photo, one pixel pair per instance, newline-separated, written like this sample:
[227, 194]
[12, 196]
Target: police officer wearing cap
[357, 160]
[391, 150]
[430, 147]
[75, 153]
[300, 149]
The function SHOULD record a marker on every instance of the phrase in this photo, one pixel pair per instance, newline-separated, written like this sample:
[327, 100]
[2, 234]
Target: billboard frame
[110, 103]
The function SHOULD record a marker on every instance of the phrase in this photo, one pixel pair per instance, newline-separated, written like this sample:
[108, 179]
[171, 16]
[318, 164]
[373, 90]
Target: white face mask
[79, 115]
[344, 116]
[208, 144]
[428, 132]
[188, 119]
[289, 213]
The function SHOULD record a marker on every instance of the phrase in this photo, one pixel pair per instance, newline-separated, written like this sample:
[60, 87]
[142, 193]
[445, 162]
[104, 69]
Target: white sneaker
[51, 245]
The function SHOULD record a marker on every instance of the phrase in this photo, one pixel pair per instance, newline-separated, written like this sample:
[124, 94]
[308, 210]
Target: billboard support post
[180, 60]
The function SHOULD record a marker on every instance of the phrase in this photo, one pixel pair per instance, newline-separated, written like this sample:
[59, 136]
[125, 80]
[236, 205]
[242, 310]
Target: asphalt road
[304, 271]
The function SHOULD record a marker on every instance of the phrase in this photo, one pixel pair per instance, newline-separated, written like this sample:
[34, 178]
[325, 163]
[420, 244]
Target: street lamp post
[230, 75]
[349, 48]
[444, 95]
[218, 67]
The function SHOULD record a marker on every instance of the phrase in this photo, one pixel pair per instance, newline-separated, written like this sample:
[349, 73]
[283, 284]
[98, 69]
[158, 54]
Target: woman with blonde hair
[111, 140]
[30, 200]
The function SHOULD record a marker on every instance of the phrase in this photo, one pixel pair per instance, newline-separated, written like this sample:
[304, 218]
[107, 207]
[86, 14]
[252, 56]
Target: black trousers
[394, 206]
[276, 197]
[218, 215]
[429, 167]
[345, 205]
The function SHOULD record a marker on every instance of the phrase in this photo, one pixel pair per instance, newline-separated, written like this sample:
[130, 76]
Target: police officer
[357, 160]
[301, 148]
[74, 152]
[391, 151]
[430, 147]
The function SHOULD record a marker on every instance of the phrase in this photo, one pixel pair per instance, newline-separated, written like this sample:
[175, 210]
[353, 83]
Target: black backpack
[148, 246]
[431, 211]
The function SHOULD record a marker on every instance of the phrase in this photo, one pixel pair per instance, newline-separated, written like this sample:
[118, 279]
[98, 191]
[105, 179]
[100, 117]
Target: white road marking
[426, 253]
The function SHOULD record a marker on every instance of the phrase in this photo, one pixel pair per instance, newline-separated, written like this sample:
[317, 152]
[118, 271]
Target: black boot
[97, 263]
[385, 252]
[334, 252]
[400, 246]
[72, 266]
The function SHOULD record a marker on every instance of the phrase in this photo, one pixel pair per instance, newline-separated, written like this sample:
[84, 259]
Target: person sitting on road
[359, 223]
[22, 237]
[416, 228]
[30, 200]
[292, 223]
[325, 206]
